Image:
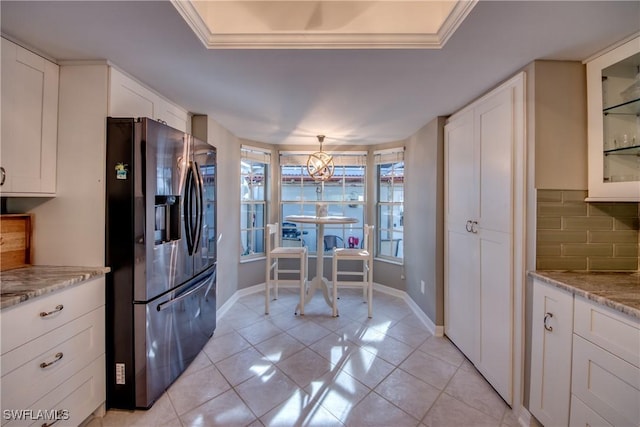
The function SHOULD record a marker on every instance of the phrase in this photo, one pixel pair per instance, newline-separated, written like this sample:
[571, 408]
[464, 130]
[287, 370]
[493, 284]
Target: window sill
[248, 259]
[390, 261]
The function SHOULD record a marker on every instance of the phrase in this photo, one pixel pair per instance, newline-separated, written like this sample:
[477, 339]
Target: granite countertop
[22, 284]
[617, 290]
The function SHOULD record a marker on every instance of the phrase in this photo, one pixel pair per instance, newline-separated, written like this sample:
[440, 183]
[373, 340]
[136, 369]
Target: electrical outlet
[422, 286]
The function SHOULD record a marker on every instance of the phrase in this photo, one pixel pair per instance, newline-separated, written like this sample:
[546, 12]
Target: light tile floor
[316, 370]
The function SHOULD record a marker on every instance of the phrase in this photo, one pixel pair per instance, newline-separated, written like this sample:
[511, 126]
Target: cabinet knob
[3, 175]
[548, 316]
[468, 227]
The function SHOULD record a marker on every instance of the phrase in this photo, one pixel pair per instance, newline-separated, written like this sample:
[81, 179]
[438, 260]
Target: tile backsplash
[575, 235]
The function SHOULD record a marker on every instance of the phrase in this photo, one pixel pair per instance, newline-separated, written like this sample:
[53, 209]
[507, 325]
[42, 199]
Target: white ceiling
[290, 96]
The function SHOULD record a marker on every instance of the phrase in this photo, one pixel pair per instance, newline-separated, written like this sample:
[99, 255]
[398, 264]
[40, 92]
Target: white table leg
[318, 281]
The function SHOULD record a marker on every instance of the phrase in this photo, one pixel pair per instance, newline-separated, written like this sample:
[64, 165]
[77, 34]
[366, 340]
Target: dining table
[319, 281]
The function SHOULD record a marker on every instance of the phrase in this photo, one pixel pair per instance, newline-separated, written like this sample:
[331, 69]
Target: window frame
[390, 158]
[252, 157]
[306, 204]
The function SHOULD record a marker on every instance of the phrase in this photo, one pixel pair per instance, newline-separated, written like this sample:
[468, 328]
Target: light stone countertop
[617, 290]
[22, 284]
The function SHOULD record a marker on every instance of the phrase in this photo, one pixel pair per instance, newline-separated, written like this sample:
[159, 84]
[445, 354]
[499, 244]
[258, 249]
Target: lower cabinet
[56, 371]
[585, 361]
[551, 331]
[582, 415]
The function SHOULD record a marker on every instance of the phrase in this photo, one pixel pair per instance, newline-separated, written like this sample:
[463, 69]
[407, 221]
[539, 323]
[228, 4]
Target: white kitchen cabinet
[29, 123]
[613, 89]
[53, 354]
[583, 416]
[551, 343]
[606, 362]
[128, 98]
[484, 146]
[585, 361]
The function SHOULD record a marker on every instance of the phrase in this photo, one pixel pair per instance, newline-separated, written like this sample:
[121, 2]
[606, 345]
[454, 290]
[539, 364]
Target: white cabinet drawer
[23, 322]
[73, 400]
[583, 416]
[605, 383]
[609, 329]
[69, 349]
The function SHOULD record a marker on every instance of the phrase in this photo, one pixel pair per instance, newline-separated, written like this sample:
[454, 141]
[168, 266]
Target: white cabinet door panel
[494, 125]
[609, 329]
[551, 342]
[461, 177]
[495, 356]
[583, 416]
[29, 122]
[606, 383]
[461, 294]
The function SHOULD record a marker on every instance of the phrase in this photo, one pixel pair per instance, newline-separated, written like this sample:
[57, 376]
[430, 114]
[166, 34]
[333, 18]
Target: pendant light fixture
[320, 164]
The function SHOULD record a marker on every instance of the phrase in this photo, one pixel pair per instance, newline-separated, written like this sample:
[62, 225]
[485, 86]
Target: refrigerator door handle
[188, 183]
[164, 305]
[199, 206]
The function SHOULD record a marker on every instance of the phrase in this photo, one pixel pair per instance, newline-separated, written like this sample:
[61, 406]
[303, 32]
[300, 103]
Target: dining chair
[332, 241]
[275, 253]
[365, 255]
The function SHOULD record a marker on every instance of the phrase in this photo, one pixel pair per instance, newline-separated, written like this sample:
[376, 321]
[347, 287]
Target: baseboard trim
[426, 321]
[524, 417]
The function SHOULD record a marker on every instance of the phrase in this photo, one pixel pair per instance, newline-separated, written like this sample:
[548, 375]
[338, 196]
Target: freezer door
[163, 162]
[204, 159]
[170, 332]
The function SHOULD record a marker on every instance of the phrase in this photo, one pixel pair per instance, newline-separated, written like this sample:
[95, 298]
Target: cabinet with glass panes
[613, 87]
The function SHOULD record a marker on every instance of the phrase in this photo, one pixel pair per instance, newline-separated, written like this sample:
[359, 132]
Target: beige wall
[557, 123]
[424, 218]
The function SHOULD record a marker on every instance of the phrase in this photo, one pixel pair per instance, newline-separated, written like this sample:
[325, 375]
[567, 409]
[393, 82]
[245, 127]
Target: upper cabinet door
[613, 89]
[28, 147]
[128, 98]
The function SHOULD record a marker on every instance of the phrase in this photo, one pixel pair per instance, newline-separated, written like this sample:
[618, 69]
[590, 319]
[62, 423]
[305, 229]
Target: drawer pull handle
[546, 319]
[58, 356]
[58, 308]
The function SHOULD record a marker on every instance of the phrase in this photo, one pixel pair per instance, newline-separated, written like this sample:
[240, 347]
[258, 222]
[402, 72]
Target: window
[254, 168]
[344, 193]
[390, 207]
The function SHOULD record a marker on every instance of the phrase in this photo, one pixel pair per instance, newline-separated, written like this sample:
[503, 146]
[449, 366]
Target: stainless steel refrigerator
[161, 248]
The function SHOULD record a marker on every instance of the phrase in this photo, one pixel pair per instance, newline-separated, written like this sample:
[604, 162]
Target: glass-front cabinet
[613, 88]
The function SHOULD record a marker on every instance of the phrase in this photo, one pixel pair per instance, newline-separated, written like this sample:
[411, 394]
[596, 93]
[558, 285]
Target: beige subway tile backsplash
[613, 264]
[577, 249]
[626, 250]
[561, 263]
[587, 223]
[628, 236]
[575, 235]
[562, 236]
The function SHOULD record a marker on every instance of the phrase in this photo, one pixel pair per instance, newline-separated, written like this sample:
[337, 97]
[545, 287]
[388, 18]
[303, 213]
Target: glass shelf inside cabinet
[631, 108]
[632, 150]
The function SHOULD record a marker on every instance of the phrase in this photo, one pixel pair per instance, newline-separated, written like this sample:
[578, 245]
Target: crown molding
[323, 40]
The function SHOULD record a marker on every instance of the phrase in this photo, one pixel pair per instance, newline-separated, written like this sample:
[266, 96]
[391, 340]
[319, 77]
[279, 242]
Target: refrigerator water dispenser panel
[167, 222]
